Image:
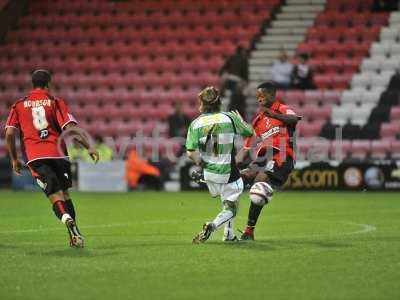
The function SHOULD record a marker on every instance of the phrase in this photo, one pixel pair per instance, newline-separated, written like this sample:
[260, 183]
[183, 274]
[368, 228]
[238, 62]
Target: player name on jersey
[271, 132]
[37, 103]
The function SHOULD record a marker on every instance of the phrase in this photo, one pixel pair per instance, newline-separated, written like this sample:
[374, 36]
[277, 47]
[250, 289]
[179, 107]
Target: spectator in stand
[77, 152]
[105, 151]
[138, 170]
[281, 71]
[302, 75]
[385, 5]
[238, 101]
[178, 122]
[235, 71]
[394, 84]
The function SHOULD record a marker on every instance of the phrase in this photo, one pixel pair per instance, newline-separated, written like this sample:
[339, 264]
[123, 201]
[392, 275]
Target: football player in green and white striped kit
[210, 144]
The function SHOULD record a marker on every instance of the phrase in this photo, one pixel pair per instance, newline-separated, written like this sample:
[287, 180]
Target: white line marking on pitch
[364, 228]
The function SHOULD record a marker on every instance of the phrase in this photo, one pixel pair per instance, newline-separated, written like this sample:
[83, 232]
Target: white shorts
[227, 191]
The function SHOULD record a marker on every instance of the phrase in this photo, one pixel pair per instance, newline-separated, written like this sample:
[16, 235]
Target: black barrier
[376, 175]
[315, 176]
[347, 175]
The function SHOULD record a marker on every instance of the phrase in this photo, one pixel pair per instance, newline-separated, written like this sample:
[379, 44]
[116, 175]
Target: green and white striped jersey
[213, 135]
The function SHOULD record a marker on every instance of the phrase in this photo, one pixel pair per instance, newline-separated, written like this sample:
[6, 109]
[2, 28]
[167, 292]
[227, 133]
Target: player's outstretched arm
[288, 119]
[11, 133]
[84, 141]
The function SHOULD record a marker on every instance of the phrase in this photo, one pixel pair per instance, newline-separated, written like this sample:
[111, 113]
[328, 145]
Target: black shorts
[277, 175]
[52, 175]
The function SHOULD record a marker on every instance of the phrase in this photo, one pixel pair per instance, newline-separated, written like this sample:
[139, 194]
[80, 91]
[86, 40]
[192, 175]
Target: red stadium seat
[340, 20]
[380, 149]
[379, 19]
[350, 65]
[360, 20]
[323, 50]
[306, 48]
[323, 81]
[340, 149]
[353, 34]
[338, 41]
[294, 97]
[306, 112]
[94, 111]
[370, 34]
[321, 113]
[360, 149]
[332, 34]
[395, 113]
[331, 66]
[390, 130]
[313, 96]
[310, 129]
[395, 149]
[317, 64]
[341, 82]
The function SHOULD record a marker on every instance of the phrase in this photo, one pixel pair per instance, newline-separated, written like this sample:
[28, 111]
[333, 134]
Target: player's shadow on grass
[5, 247]
[148, 244]
[106, 250]
[75, 253]
[275, 244]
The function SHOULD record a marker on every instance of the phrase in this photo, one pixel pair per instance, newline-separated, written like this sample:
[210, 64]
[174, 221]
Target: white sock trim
[65, 217]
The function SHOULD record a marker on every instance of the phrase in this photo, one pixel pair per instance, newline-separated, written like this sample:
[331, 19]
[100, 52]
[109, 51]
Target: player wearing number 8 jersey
[210, 144]
[40, 119]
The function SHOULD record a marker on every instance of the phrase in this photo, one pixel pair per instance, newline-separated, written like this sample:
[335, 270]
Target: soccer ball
[261, 193]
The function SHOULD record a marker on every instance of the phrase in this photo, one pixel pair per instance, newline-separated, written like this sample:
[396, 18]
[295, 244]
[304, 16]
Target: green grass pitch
[138, 246]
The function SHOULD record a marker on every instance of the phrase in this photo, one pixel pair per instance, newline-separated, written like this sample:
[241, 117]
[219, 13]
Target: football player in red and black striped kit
[274, 156]
[40, 119]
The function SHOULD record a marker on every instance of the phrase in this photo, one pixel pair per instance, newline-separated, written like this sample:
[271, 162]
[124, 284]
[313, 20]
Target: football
[261, 193]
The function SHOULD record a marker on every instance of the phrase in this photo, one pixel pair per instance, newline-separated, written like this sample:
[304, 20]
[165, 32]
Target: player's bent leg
[229, 194]
[227, 214]
[51, 187]
[229, 233]
[71, 210]
[61, 211]
[69, 204]
[208, 228]
[62, 169]
[49, 175]
[232, 194]
[260, 194]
